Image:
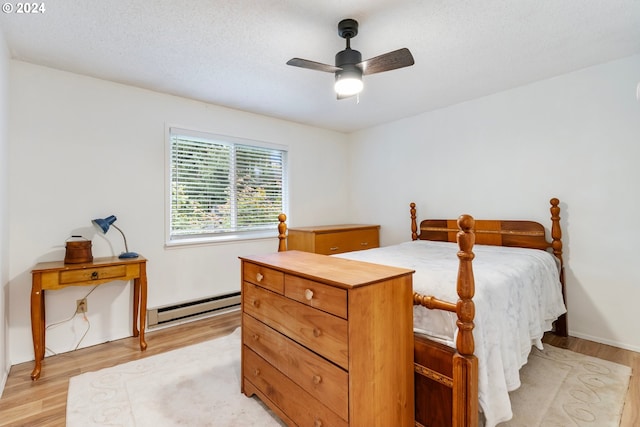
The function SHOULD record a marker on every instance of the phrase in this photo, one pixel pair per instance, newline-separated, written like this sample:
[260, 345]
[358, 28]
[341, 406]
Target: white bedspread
[517, 297]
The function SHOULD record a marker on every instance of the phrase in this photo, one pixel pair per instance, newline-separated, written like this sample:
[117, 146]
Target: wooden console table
[56, 275]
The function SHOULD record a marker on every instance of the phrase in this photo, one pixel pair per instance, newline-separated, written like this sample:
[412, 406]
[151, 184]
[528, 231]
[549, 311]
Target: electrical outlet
[81, 306]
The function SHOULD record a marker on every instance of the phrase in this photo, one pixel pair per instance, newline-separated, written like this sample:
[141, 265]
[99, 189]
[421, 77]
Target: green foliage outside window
[219, 186]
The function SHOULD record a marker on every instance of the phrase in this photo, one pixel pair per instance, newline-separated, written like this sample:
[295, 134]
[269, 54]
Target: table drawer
[321, 332]
[318, 295]
[75, 276]
[263, 276]
[323, 380]
[299, 405]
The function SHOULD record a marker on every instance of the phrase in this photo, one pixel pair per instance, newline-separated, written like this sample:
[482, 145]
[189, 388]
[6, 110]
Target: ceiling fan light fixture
[348, 82]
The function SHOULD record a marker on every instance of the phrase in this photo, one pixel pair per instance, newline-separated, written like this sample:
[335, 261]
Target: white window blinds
[222, 185]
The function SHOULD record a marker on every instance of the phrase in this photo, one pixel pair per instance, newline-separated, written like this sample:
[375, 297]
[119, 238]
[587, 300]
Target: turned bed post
[414, 224]
[282, 233]
[465, 363]
[556, 231]
[561, 325]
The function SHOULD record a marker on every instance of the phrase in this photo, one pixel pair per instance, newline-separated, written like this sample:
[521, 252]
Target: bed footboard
[447, 378]
[433, 380]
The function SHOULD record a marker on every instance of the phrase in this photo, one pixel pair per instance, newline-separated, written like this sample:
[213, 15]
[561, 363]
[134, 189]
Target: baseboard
[3, 380]
[194, 318]
[191, 309]
[604, 341]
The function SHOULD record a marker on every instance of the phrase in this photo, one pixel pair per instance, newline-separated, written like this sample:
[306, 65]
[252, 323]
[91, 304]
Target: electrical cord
[86, 319]
[84, 316]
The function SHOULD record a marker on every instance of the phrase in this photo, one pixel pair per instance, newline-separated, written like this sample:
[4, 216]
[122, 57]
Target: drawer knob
[317, 379]
[364, 244]
[256, 372]
[335, 248]
[94, 275]
[308, 294]
[255, 303]
[317, 332]
[256, 337]
[259, 277]
[317, 423]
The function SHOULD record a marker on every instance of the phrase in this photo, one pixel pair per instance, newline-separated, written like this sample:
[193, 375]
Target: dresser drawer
[299, 405]
[263, 276]
[333, 243]
[321, 332]
[320, 378]
[318, 295]
[334, 239]
[364, 239]
[84, 275]
[346, 241]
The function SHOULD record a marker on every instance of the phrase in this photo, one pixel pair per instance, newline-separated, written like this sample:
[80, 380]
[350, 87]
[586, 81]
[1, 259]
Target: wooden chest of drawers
[333, 239]
[328, 341]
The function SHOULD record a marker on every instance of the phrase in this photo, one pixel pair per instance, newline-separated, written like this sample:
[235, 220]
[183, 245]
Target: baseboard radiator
[191, 309]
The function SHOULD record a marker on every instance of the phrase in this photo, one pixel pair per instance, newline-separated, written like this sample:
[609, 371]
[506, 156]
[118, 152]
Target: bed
[475, 329]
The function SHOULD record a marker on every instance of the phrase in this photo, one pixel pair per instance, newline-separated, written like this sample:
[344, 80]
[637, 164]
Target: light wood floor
[43, 402]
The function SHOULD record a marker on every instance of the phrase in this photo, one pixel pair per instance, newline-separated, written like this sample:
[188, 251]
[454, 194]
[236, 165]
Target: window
[224, 188]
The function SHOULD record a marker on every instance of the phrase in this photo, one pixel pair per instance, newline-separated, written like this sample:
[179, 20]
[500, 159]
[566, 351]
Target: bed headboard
[524, 234]
[488, 232]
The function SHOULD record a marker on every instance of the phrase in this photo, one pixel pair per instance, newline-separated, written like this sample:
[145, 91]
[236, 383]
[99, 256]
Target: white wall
[575, 137]
[82, 148]
[4, 217]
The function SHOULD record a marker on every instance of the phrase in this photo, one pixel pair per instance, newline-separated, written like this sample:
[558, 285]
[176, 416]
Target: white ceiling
[233, 52]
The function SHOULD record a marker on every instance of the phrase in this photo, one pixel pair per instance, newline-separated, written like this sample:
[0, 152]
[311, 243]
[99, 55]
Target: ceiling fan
[350, 67]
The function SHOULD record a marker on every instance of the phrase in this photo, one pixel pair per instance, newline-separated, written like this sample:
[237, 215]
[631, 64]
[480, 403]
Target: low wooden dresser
[328, 341]
[333, 239]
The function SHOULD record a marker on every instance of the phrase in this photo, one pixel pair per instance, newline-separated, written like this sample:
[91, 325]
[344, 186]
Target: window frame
[223, 237]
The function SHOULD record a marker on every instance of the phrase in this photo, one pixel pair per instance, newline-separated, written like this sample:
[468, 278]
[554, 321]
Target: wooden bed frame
[446, 379]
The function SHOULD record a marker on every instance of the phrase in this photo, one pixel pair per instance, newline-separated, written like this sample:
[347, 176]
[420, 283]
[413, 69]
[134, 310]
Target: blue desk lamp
[104, 224]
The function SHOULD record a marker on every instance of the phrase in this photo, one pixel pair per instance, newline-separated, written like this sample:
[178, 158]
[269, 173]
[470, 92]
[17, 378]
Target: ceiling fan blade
[312, 65]
[389, 61]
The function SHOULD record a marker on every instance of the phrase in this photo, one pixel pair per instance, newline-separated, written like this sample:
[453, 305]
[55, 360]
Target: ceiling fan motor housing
[348, 57]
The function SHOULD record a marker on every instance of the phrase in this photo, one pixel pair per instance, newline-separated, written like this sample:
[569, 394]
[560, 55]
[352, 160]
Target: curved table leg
[140, 305]
[37, 324]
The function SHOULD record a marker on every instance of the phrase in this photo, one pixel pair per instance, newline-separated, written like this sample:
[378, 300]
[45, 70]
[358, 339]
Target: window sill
[222, 239]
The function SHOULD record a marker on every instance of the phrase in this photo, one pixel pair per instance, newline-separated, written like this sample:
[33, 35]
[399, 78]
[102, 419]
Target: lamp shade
[104, 224]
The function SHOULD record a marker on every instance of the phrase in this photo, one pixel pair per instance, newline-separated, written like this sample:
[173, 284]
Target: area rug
[199, 385]
[564, 388]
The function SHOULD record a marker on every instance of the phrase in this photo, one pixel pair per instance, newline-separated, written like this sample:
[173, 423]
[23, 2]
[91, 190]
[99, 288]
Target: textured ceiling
[233, 52]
